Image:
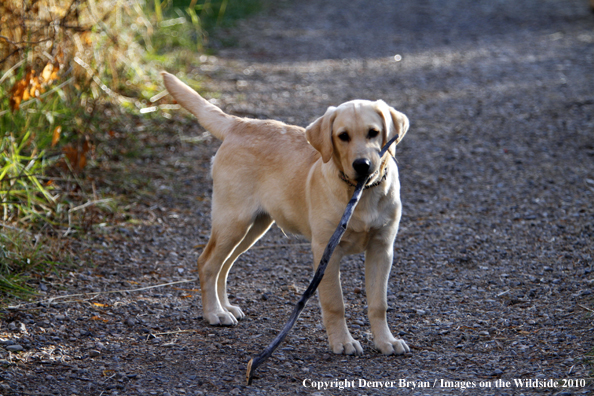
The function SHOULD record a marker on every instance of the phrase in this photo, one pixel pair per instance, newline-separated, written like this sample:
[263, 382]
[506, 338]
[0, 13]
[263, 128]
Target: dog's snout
[362, 167]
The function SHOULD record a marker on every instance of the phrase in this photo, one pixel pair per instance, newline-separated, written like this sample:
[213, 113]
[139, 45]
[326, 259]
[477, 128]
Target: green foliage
[20, 254]
[187, 24]
[23, 194]
[217, 13]
[29, 147]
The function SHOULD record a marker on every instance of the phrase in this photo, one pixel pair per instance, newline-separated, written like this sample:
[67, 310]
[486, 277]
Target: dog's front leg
[331, 300]
[378, 262]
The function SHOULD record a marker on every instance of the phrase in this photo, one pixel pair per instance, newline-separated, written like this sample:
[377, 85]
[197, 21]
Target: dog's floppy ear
[319, 134]
[395, 124]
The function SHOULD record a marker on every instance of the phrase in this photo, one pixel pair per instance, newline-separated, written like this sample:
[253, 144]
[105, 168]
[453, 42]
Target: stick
[254, 363]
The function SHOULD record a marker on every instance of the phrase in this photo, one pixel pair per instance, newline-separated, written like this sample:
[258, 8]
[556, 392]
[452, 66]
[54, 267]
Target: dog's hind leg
[259, 228]
[227, 234]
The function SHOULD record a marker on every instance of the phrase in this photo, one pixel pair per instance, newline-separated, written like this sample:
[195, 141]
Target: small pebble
[17, 326]
[14, 348]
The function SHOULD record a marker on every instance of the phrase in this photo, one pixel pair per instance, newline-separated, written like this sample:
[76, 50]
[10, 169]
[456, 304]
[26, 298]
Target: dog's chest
[367, 219]
[370, 217]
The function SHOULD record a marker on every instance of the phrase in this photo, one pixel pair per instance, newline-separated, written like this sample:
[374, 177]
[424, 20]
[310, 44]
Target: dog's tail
[210, 116]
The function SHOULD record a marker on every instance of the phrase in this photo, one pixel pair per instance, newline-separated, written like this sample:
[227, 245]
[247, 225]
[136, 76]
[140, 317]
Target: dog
[267, 171]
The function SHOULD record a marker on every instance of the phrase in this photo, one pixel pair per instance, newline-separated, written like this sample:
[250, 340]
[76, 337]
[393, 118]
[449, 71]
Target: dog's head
[353, 134]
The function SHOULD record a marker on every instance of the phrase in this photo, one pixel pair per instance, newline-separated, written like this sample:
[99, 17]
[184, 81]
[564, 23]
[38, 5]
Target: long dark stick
[254, 363]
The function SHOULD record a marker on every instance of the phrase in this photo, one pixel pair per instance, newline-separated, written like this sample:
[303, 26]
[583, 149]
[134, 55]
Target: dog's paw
[221, 319]
[349, 346]
[392, 347]
[235, 310]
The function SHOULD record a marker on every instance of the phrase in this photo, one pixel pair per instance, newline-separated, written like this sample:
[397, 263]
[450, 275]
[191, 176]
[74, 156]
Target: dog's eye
[372, 133]
[344, 137]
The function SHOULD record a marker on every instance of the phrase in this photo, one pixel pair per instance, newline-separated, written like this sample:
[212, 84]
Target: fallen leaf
[86, 37]
[56, 137]
[16, 94]
[54, 75]
[47, 72]
[77, 158]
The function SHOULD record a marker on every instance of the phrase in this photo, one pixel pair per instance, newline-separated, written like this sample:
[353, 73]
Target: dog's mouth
[357, 177]
[364, 170]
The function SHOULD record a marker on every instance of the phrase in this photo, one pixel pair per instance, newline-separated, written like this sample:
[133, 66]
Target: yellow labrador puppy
[266, 171]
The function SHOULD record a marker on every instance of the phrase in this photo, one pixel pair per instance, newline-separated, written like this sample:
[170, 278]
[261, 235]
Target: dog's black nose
[362, 166]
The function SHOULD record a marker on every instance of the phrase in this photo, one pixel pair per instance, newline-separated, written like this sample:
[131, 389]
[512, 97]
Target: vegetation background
[74, 75]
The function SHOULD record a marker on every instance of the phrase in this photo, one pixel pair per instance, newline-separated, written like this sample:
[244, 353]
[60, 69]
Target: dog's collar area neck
[376, 183]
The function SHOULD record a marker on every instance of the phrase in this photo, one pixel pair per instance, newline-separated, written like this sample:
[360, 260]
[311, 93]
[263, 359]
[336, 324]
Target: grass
[67, 99]
[30, 147]
[23, 255]
[188, 26]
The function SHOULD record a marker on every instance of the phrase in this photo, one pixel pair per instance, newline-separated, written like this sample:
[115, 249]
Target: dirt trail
[492, 279]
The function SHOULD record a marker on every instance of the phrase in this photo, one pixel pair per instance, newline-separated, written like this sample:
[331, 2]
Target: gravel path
[492, 280]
